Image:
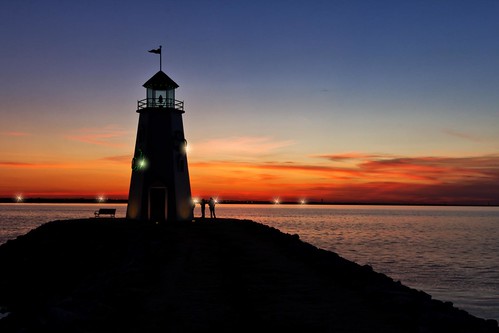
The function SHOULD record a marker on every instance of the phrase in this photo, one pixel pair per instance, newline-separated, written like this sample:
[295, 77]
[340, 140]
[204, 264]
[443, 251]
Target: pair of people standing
[211, 205]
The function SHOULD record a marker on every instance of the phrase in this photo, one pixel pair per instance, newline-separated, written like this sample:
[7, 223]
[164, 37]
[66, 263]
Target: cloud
[15, 134]
[85, 164]
[109, 136]
[463, 135]
[26, 165]
[425, 168]
[379, 168]
[122, 159]
[17, 164]
[348, 156]
[241, 146]
[261, 166]
[371, 178]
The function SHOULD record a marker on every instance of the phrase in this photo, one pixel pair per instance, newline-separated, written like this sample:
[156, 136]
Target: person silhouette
[211, 204]
[203, 207]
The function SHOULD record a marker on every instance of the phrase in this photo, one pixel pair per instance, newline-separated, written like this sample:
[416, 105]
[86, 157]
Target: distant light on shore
[277, 201]
[303, 201]
[19, 198]
[101, 198]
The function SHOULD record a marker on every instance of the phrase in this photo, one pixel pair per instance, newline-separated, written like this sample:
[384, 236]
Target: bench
[105, 211]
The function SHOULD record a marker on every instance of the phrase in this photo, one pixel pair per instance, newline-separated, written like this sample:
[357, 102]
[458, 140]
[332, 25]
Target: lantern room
[160, 93]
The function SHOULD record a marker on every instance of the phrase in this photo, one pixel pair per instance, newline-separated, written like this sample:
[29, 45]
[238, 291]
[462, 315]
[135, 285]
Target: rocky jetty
[113, 275]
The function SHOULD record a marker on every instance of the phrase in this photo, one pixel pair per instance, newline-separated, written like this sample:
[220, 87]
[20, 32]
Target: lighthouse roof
[160, 81]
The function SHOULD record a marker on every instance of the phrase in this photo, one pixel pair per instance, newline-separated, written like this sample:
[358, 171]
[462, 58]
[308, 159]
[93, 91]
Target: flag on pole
[156, 51]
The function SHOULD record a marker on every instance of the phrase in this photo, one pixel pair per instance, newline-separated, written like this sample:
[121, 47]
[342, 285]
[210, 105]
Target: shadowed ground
[113, 275]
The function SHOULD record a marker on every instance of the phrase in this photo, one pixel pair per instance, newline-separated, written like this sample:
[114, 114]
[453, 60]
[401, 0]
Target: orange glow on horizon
[375, 179]
[366, 178]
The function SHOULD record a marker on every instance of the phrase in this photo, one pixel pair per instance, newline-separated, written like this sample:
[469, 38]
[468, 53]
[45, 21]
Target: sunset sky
[337, 100]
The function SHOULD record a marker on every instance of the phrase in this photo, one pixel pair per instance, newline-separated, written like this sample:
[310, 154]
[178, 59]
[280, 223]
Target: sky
[355, 101]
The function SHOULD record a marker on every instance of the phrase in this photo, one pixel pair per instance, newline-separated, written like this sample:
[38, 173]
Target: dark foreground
[104, 275]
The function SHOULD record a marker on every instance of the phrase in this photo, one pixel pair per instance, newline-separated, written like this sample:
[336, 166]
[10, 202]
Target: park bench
[105, 211]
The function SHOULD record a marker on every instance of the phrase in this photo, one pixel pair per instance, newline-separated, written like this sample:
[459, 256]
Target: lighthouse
[160, 189]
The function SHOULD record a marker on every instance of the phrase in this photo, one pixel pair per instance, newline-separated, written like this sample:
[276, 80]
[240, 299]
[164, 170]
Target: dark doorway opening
[157, 202]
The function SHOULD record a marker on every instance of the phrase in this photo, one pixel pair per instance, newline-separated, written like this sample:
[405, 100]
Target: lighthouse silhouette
[160, 189]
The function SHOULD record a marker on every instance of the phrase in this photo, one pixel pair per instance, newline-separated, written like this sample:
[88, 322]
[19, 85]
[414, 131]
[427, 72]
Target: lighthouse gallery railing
[160, 103]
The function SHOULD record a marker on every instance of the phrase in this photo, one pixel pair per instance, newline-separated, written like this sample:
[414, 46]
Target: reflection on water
[451, 253]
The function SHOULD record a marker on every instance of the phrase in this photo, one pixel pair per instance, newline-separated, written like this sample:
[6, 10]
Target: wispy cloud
[27, 165]
[241, 146]
[349, 156]
[425, 168]
[15, 133]
[110, 136]
[121, 159]
[118, 160]
[463, 135]
[16, 164]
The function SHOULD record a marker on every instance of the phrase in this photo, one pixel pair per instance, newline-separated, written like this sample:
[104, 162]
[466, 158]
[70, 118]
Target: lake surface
[451, 253]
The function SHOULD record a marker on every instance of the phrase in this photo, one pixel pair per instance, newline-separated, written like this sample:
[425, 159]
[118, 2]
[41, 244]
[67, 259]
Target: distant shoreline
[247, 202]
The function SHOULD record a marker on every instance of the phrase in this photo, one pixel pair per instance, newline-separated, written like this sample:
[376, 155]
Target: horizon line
[237, 201]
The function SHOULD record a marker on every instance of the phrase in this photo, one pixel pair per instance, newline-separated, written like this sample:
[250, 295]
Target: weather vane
[157, 51]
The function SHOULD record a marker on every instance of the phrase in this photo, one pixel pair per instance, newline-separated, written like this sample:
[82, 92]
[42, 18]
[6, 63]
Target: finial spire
[157, 51]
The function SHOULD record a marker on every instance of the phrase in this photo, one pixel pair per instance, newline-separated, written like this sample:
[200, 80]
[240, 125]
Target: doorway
[157, 204]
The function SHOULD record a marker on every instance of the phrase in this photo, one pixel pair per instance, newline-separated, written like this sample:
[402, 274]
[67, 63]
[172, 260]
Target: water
[18, 219]
[451, 253]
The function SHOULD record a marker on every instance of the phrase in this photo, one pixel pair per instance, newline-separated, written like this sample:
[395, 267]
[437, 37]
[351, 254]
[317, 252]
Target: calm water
[451, 253]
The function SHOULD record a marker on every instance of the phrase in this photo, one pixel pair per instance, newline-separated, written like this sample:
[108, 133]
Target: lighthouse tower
[160, 188]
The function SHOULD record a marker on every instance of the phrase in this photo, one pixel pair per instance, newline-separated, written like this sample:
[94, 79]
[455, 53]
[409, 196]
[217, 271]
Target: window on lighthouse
[156, 98]
[160, 98]
[170, 98]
